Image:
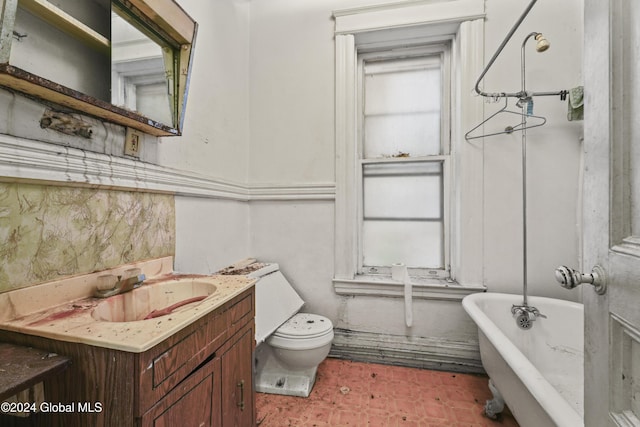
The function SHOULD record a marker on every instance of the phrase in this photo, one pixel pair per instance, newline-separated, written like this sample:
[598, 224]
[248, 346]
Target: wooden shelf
[17, 79]
[23, 367]
[170, 17]
[67, 23]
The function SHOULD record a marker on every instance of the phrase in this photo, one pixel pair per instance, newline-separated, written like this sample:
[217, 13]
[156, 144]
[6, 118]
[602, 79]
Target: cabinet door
[184, 406]
[237, 383]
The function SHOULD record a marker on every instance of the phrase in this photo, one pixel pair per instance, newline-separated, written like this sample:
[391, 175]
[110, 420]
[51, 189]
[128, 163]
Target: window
[404, 160]
[423, 208]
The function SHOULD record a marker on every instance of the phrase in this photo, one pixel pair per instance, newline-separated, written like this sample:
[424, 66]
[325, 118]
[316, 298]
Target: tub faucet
[109, 285]
[525, 315]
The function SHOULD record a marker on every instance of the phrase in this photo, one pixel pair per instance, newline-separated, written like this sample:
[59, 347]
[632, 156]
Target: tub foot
[494, 406]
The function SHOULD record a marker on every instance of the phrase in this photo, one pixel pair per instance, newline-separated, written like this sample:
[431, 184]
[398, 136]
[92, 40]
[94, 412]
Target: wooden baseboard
[415, 352]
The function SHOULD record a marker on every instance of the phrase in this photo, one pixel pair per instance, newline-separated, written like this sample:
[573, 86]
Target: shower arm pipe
[495, 56]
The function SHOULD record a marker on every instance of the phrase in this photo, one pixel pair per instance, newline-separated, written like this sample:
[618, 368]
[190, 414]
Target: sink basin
[155, 300]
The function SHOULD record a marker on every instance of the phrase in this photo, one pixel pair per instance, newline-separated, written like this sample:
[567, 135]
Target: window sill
[422, 288]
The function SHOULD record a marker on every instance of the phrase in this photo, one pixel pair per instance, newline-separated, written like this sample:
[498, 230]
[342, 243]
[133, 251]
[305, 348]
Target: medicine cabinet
[123, 61]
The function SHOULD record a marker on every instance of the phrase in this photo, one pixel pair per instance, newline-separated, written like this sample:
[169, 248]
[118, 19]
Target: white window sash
[434, 273]
[441, 48]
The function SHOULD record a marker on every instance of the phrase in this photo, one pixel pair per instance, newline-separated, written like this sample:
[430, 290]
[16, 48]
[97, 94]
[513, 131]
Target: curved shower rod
[520, 94]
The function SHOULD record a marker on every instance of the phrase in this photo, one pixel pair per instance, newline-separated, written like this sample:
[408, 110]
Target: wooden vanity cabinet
[200, 376]
[238, 399]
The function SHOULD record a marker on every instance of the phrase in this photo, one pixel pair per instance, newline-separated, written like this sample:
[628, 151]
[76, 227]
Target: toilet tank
[276, 300]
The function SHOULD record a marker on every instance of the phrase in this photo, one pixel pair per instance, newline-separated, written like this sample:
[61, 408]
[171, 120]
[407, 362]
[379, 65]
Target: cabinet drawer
[239, 312]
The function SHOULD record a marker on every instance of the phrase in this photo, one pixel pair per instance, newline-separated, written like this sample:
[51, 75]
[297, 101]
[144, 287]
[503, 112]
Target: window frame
[442, 49]
[374, 27]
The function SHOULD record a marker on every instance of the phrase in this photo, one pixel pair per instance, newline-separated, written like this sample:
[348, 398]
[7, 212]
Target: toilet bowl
[303, 341]
[290, 345]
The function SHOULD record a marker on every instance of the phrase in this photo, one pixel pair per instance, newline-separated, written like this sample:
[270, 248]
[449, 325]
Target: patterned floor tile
[354, 394]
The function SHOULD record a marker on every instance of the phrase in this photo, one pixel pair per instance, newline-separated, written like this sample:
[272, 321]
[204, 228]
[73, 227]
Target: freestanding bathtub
[538, 371]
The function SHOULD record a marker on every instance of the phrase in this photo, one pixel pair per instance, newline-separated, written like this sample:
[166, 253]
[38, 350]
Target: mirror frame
[163, 18]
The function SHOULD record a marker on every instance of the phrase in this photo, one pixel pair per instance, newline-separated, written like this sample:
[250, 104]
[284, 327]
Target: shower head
[543, 44]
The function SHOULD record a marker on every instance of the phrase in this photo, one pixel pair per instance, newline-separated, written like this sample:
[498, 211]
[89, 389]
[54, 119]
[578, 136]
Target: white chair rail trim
[24, 160]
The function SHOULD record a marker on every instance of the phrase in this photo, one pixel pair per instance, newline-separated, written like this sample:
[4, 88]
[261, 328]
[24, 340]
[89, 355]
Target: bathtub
[538, 371]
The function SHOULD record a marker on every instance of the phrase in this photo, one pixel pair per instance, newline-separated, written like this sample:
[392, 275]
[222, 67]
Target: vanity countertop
[62, 310]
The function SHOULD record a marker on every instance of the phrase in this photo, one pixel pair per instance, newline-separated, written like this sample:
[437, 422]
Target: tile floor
[363, 394]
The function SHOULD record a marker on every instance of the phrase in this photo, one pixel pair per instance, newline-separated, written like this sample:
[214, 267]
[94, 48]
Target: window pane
[402, 107]
[407, 190]
[417, 244]
[402, 86]
[415, 134]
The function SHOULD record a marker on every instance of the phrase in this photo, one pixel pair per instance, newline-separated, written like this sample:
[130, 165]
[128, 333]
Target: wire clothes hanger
[538, 121]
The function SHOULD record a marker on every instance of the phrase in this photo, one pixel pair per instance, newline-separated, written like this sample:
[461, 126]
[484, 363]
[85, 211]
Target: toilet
[290, 345]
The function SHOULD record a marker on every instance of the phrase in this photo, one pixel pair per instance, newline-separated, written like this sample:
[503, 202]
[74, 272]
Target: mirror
[139, 82]
[125, 61]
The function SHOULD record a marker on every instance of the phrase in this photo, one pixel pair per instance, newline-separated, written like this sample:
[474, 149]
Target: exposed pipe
[540, 48]
[526, 314]
[497, 53]
[524, 105]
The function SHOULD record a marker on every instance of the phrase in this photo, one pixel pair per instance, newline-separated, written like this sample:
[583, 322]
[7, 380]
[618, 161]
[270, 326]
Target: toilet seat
[303, 331]
[304, 325]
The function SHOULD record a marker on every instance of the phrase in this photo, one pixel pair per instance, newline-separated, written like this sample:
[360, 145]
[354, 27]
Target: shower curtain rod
[521, 94]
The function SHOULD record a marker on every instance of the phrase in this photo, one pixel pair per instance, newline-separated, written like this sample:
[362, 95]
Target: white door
[611, 211]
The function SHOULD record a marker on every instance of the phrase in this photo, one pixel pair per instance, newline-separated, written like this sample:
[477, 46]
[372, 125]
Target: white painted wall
[215, 141]
[292, 90]
[210, 234]
[213, 233]
[298, 236]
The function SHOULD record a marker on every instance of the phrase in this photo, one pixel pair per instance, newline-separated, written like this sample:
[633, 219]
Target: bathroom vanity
[198, 374]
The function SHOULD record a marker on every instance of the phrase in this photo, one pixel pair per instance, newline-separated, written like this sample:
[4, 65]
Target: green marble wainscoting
[48, 232]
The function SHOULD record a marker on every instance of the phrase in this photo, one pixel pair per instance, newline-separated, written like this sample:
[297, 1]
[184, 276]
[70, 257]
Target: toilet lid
[276, 301]
[304, 325]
